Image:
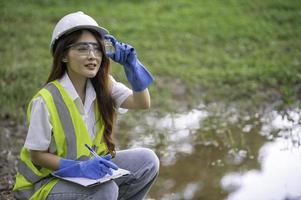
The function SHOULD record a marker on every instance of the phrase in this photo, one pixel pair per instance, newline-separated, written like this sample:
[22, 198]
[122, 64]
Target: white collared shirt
[40, 127]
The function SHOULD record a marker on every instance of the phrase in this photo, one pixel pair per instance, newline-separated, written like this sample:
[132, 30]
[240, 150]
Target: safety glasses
[85, 48]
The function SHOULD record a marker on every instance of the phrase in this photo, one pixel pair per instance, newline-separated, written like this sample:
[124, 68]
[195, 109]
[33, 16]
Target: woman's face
[84, 57]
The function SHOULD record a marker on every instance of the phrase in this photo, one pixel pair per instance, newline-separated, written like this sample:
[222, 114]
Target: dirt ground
[12, 135]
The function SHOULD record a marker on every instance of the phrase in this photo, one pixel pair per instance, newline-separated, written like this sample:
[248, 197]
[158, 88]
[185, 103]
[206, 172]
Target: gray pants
[141, 162]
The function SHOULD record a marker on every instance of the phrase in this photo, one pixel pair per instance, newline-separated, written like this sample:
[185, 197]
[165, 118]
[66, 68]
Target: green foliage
[230, 50]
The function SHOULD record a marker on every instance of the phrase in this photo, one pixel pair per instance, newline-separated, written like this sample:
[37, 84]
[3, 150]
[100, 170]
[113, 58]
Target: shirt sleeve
[39, 131]
[119, 92]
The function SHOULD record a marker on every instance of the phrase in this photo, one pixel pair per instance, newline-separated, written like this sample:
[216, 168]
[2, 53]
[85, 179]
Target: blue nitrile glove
[126, 55]
[94, 168]
[67, 163]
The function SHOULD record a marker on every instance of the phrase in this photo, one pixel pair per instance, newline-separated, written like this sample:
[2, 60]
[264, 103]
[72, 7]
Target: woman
[76, 107]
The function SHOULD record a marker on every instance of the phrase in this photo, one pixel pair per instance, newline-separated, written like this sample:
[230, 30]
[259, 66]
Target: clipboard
[92, 182]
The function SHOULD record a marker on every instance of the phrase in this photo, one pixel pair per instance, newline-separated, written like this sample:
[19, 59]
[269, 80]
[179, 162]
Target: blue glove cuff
[66, 163]
[138, 76]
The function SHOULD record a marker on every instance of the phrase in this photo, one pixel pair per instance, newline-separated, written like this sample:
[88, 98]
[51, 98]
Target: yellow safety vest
[69, 135]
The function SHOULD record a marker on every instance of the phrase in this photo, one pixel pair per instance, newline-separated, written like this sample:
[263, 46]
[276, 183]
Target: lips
[90, 65]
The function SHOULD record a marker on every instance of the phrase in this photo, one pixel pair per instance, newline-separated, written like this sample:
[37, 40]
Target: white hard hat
[72, 22]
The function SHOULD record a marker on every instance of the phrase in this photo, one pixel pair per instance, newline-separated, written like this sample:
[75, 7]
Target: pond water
[217, 152]
[209, 152]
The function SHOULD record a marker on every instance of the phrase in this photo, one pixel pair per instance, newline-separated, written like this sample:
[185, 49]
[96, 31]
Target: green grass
[229, 50]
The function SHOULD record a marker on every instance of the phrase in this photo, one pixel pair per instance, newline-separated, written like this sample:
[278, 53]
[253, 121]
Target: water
[216, 152]
[209, 152]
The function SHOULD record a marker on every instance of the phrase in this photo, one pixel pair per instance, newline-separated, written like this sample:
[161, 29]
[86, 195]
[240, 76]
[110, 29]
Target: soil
[12, 135]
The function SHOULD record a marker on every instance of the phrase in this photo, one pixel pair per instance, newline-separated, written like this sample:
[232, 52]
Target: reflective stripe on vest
[65, 119]
[27, 193]
[27, 172]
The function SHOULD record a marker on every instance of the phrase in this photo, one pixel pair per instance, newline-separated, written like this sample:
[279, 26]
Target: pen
[92, 151]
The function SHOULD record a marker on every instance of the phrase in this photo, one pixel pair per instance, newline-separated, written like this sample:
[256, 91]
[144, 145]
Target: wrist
[63, 163]
[138, 76]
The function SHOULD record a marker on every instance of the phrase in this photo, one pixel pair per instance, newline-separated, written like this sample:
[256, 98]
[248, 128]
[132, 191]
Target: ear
[65, 60]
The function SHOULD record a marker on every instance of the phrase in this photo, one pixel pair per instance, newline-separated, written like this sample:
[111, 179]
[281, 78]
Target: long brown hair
[105, 102]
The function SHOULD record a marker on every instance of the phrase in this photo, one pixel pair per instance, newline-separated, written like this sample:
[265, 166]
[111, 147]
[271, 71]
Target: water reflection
[217, 152]
[280, 174]
[279, 177]
[179, 132]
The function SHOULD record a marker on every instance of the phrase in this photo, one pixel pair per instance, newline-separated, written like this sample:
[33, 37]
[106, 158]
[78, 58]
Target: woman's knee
[108, 190]
[150, 157]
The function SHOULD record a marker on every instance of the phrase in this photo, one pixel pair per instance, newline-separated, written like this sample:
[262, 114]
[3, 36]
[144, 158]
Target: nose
[91, 54]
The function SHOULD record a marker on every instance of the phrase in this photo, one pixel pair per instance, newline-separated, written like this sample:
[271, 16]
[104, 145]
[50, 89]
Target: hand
[105, 160]
[122, 51]
[126, 55]
[94, 168]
